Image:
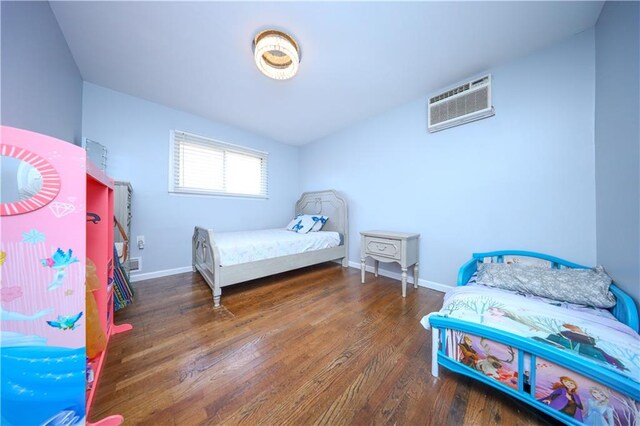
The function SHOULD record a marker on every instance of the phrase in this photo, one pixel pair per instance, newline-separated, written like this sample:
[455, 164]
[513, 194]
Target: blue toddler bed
[576, 363]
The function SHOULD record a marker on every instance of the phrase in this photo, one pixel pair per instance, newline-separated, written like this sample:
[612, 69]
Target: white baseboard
[158, 274]
[396, 276]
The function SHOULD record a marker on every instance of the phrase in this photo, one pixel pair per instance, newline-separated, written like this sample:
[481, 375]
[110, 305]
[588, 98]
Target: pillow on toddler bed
[581, 286]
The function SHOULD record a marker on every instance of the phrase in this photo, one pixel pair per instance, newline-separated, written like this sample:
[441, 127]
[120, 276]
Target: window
[200, 165]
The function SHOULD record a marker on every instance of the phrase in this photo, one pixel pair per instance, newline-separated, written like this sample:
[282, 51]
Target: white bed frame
[206, 257]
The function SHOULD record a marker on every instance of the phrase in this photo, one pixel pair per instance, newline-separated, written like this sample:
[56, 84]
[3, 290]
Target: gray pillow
[582, 286]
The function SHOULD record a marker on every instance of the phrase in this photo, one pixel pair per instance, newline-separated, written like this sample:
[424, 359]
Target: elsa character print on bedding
[601, 340]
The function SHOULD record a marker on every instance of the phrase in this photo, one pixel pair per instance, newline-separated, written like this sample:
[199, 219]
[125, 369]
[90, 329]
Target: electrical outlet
[140, 241]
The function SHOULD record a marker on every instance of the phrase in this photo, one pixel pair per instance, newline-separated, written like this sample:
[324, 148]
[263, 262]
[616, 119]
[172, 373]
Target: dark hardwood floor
[312, 346]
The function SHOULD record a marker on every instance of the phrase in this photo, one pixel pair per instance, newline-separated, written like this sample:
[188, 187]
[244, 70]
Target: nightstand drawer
[383, 247]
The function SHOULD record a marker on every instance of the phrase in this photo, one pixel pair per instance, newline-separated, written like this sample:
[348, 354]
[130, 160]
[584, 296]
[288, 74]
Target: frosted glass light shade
[277, 54]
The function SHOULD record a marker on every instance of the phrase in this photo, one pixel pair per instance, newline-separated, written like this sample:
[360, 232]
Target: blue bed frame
[625, 311]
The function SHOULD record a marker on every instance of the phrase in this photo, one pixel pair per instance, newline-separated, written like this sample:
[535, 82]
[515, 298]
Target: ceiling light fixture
[277, 54]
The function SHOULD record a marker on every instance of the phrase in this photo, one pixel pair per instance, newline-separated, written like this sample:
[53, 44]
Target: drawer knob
[382, 248]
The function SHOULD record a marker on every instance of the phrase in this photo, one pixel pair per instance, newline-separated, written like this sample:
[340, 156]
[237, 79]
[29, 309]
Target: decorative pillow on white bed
[588, 287]
[301, 224]
[319, 222]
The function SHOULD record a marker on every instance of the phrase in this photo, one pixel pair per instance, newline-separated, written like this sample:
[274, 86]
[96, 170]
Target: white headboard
[327, 203]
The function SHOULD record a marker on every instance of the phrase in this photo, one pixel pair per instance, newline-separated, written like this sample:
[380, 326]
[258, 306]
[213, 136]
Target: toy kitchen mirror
[27, 181]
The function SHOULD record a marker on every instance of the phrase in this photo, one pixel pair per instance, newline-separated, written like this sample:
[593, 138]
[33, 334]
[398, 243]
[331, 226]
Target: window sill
[218, 195]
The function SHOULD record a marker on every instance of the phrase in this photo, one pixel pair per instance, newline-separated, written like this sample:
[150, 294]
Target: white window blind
[201, 165]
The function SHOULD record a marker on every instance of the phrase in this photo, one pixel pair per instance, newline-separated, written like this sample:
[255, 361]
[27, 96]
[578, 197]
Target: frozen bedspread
[598, 339]
[251, 246]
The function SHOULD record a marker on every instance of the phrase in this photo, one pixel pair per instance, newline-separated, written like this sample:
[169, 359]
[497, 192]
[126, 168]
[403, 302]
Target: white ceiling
[358, 58]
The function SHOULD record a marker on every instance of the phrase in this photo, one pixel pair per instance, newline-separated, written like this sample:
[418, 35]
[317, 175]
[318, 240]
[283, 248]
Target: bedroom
[555, 170]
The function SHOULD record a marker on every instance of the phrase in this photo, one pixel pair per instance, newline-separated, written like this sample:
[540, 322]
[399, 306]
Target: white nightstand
[386, 246]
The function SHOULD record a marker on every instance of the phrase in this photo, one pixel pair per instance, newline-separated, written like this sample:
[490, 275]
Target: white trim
[159, 274]
[219, 195]
[135, 271]
[224, 147]
[235, 147]
[172, 136]
[443, 288]
[394, 275]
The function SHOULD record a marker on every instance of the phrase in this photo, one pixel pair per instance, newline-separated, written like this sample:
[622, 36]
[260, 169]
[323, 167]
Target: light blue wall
[523, 179]
[41, 84]
[617, 141]
[136, 133]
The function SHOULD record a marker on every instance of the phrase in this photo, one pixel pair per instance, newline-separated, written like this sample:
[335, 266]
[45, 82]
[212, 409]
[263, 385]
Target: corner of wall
[617, 143]
[41, 82]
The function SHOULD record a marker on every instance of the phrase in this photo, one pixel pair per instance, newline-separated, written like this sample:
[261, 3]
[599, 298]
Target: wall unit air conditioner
[468, 102]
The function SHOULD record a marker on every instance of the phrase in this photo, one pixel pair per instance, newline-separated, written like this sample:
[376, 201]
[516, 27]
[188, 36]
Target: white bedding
[250, 246]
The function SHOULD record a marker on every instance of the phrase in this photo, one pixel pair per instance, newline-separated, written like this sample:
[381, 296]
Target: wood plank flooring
[312, 346]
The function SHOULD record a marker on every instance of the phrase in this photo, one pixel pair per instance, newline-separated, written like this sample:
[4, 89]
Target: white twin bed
[229, 258]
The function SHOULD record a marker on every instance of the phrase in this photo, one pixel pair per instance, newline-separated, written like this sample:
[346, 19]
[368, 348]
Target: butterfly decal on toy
[67, 322]
[59, 261]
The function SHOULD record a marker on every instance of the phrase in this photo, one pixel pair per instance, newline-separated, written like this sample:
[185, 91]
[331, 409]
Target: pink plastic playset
[46, 240]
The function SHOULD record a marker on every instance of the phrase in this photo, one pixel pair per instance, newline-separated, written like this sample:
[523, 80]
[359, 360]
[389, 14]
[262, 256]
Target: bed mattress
[250, 246]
